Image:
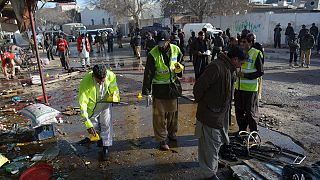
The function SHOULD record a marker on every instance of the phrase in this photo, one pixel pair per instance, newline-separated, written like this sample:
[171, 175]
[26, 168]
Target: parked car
[155, 28]
[196, 27]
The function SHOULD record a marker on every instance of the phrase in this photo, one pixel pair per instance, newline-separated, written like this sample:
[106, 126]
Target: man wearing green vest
[160, 80]
[98, 89]
[247, 85]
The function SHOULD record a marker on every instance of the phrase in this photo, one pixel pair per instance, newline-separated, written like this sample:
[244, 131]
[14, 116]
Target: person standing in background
[63, 49]
[294, 47]
[218, 45]
[150, 43]
[49, 45]
[289, 33]
[306, 44]
[181, 37]
[83, 47]
[277, 36]
[314, 31]
[191, 41]
[119, 38]
[110, 39]
[201, 46]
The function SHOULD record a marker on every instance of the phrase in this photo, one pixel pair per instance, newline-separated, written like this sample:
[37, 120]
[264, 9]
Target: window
[92, 21]
[103, 21]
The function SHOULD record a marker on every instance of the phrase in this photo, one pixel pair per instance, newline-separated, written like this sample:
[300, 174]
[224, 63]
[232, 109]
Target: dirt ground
[290, 105]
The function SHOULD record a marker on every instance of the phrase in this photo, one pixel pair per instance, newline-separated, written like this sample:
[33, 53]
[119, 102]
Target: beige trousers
[138, 51]
[165, 118]
[305, 56]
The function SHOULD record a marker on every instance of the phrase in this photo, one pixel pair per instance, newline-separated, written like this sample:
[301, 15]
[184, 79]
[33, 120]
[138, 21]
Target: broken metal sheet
[264, 170]
[280, 140]
[243, 172]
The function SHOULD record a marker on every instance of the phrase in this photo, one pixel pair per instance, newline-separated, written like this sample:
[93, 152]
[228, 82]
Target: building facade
[96, 16]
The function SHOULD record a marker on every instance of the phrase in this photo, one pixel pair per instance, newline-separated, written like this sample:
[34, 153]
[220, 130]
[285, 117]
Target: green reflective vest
[162, 73]
[249, 67]
[88, 92]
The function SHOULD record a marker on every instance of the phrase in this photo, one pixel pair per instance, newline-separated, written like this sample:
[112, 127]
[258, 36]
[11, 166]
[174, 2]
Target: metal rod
[37, 51]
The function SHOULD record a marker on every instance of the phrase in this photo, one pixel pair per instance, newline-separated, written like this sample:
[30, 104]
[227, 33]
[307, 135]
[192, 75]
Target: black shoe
[105, 153]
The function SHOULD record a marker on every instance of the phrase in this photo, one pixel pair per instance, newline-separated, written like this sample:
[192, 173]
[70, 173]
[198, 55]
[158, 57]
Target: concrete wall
[263, 24]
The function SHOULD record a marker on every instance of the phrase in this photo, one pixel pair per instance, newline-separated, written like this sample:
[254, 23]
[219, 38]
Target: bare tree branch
[123, 8]
[204, 8]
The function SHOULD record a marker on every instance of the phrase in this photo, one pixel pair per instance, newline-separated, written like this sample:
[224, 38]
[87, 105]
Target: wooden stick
[62, 77]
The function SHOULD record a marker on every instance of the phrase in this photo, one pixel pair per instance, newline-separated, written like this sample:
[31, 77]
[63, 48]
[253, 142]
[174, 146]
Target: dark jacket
[302, 32]
[159, 91]
[110, 38]
[314, 31]
[213, 92]
[277, 32]
[289, 32]
[307, 42]
[137, 40]
[191, 43]
[199, 45]
[48, 43]
[181, 37]
[219, 42]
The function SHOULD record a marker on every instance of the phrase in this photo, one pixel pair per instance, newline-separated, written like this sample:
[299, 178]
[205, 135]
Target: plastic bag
[40, 114]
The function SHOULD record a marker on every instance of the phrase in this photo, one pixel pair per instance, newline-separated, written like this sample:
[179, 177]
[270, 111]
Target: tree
[52, 17]
[204, 8]
[123, 8]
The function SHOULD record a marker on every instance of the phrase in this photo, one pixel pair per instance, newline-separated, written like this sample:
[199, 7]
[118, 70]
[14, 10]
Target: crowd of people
[300, 44]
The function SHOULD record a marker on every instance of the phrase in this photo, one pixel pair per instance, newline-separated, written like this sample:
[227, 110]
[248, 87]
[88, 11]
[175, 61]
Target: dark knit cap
[99, 71]
[236, 52]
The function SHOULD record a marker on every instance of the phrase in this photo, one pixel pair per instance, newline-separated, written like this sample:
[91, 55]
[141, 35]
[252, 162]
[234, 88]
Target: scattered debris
[3, 160]
[10, 93]
[70, 111]
[269, 122]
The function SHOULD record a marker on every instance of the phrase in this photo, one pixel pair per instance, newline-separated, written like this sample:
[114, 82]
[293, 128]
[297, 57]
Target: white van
[196, 27]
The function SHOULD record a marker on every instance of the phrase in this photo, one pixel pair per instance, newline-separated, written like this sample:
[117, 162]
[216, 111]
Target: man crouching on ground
[98, 89]
[213, 93]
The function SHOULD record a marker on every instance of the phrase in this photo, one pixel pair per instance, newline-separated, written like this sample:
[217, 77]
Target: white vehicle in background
[74, 28]
[196, 27]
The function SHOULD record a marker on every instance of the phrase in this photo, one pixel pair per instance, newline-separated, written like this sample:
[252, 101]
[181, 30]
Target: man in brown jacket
[213, 93]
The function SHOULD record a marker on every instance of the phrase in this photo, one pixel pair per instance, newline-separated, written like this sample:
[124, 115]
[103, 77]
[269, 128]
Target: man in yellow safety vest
[247, 85]
[161, 71]
[98, 89]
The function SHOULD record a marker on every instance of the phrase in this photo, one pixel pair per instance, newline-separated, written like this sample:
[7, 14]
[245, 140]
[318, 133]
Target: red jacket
[5, 56]
[79, 44]
[62, 45]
